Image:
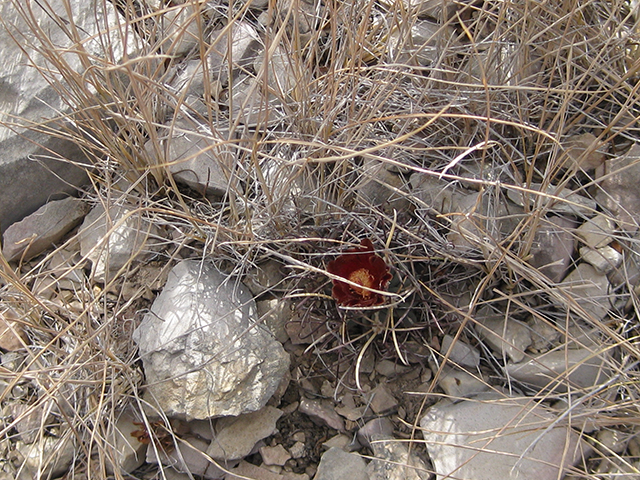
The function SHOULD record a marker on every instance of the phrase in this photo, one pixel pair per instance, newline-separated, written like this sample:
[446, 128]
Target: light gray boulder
[204, 353]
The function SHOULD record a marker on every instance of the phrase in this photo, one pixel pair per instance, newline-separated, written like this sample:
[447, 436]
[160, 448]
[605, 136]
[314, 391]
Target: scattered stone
[182, 30]
[297, 450]
[381, 400]
[266, 277]
[64, 266]
[275, 313]
[604, 259]
[29, 421]
[49, 457]
[237, 436]
[338, 441]
[380, 187]
[321, 413]
[423, 45]
[589, 289]
[336, 464]
[203, 352]
[584, 151]
[459, 352]
[596, 232]
[459, 383]
[195, 158]
[37, 232]
[619, 192]
[245, 47]
[113, 239]
[553, 199]
[390, 369]
[187, 456]
[558, 369]
[277, 455]
[124, 449]
[552, 246]
[306, 331]
[394, 462]
[543, 334]
[494, 436]
[505, 337]
[612, 440]
[379, 428]
[12, 334]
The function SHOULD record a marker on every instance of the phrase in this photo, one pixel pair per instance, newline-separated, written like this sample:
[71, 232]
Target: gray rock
[37, 166]
[588, 288]
[195, 157]
[187, 456]
[596, 232]
[277, 455]
[394, 462]
[584, 151]
[552, 246]
[379, 428]
[558, 369]
[49, 457]
[543, 333]
[506, 337]
[322, 413]
[604, 260]
[245, 48]
[497, 437]
[336, 464]
[554, 199]
[125, 452]
[459, 352]
[237, 436]
[459, 383]
[381, 400]
[275, 313]
[181, 29]
[29, 421]
[423, 45]
[113, 239]
[380, 187]
[37, 232]
[619, 192]
[204, 354]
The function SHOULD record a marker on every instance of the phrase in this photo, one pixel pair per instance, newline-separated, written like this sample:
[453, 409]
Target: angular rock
[584, 151]
[589, 289]
[604, 260]
[554, 199]
[195, 158]
[619, 192]
[557, 369]
[459, 352]
[112, 239]
[36, 166]
[187, 456]
[124, 449]
[322, 413]
[203, 352]
[236, 436]
[49, 457]
[394, 461]
[552, 246]
[381, 400]
[12, 334]
[336, 464]
[380, 187]
[423, 45]
[277, 455]
[459, 383]
[496, 437]
[596, 232]
[37, 232]
[379, 428]
[506, 337]
[245, 48]
[29, 420]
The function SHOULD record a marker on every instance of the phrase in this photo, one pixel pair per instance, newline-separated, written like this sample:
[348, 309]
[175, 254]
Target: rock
[336, 464]
[459, 352]
[125, 452]
[275, 313]
[423, 45]
[38, 166]
[277, 455]
[379, 187]
[265, 277]
[585, 369]
[589, 289]
[553, 199]
[64, 266]
[321, 413]
[203, 352]
[111, 240]
[552, 246]
[12, 334]
[619, 189]
[379, 428]
[236, 436]
[183, 28]
[245, 48]
[381, 400]
[394, 462]
[596, 232]
[390, 369]
[29, 421]
[497, 437]
[49, 457]
[196, 157]
[338, 441]
[187, 456]
[584, 151]
[37, 232]
[246, 470]
[458, 383]
[544, 334]
[613, 440]
[505, 337]
[604, 260]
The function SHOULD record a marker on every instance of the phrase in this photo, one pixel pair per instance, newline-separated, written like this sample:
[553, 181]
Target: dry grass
[499, 92]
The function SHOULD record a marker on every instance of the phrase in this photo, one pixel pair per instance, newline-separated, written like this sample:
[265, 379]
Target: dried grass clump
[485, 106]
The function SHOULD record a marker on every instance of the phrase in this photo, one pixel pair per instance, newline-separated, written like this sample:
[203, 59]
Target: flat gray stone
[204, 353]
[596, 232]
[40, 230]
[496, 437]
[589, 289]
[459, 352]
[336, 464]
[504, 336]
[552, 246]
